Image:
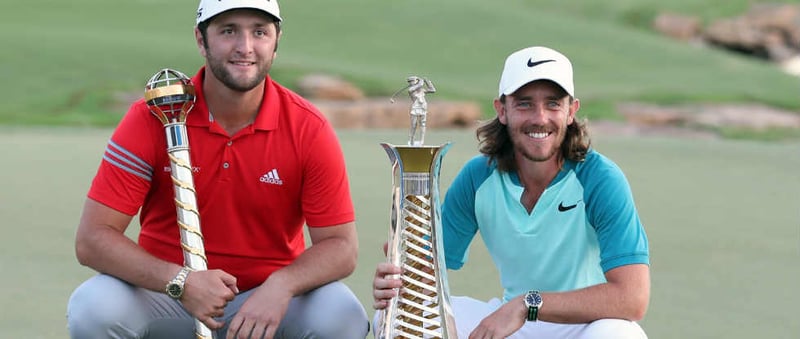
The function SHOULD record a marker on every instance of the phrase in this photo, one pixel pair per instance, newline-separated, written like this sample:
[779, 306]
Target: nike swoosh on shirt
[531, 63]
[562, 208]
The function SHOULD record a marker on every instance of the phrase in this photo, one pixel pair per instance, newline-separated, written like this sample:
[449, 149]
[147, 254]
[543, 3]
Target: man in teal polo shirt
[557, 217]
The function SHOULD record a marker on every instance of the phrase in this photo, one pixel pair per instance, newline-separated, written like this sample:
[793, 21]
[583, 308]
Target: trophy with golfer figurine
[422, 306]
[170, 96]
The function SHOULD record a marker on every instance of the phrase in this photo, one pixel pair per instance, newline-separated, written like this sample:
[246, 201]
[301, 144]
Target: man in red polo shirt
[265, 163]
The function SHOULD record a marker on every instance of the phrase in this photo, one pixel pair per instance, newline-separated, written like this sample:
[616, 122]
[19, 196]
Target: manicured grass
[720, 215]
[71, 69]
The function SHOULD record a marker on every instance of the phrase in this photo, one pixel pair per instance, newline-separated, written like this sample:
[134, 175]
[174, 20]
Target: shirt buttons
[225, 165]
[230, 142]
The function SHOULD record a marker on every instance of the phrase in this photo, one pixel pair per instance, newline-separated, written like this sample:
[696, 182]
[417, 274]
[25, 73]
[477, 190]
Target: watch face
[174, 290]
[533, 299]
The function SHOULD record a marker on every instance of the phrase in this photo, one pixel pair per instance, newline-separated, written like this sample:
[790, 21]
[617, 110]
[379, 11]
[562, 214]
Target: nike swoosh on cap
[531, 63]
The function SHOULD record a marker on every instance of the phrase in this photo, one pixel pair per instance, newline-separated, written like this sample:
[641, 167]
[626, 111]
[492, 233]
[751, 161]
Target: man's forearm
[327, 260]
[625, 296]
[108, 251]
[586, 305]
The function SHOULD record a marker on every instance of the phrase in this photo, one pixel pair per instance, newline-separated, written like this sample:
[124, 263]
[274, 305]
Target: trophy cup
[170, 96]
[422, 308]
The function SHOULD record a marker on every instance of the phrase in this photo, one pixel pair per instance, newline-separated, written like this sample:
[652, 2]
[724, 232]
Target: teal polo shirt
[584, 224]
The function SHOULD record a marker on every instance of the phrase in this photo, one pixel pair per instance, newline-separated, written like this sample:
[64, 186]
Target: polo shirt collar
[268, 113]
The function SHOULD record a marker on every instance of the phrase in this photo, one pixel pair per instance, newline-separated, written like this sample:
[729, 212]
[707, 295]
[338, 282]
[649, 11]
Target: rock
[783, 19]
[770, 31]
[745, 116]
[680, 27]
[327, 87]
[381, 113]
[736, 34]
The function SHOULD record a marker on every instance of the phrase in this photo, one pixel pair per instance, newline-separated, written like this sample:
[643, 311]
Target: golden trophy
[422, 308]
[170, 96]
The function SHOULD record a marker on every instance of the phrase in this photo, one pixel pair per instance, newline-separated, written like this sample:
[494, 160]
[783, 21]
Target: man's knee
[101, 306]
[331, 311]
[348, 324]
[613, 328]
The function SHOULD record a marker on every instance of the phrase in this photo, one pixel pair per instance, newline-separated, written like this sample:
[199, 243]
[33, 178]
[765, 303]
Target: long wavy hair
[495, 142]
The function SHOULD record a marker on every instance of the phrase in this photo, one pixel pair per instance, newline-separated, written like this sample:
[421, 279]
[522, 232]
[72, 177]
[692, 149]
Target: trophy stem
[422, 309]
[170, 96]
[186, 207]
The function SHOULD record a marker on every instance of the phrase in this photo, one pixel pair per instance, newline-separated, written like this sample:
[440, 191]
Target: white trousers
[469, 312]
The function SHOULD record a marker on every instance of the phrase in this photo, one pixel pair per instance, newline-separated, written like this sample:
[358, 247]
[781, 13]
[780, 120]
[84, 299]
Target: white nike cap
[536, 63]
[210, 8]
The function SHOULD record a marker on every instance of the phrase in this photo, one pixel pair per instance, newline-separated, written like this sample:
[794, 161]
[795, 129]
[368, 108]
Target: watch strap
[180, 278]
[533, 313]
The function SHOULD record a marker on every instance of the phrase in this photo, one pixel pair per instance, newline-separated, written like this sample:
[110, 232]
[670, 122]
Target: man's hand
[261, 313]
[206, 294]
[384, 287]
[508, 319]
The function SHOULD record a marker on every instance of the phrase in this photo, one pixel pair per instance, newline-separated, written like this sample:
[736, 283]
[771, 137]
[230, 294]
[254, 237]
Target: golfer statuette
[170, 96]
[417, 89]
[422, 308]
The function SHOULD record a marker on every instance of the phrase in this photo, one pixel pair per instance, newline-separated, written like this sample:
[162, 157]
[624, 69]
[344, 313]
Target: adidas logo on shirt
[272, 177]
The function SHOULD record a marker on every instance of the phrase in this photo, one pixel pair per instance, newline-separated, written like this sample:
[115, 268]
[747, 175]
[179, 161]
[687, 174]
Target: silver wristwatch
[174, 287]
[533, 300]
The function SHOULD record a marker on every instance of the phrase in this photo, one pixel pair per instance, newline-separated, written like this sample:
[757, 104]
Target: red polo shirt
[255, 190]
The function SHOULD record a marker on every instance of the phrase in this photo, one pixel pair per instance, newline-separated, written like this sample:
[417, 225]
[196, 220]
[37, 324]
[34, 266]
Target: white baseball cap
[210, 8]
[536, 63]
